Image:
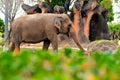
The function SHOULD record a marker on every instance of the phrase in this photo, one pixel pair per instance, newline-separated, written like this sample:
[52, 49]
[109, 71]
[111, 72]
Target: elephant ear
[58, 22]
[25, 7]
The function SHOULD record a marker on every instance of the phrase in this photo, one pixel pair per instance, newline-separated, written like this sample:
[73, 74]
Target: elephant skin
[41, 27]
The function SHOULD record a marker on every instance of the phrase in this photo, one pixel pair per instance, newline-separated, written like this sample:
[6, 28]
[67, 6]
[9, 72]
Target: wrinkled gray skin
[41, 27]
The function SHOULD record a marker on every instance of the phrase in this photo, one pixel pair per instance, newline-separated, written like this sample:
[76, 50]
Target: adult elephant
[41, 27]
[31, 9]
[42, 7]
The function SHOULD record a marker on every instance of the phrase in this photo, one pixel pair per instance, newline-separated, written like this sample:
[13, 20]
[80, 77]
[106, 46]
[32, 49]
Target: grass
[68, 64]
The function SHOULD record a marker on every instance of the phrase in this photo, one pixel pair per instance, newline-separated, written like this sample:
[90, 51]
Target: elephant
[59, 9]
[45, 7]
[41, 27]
[31, 9]
[42, 7]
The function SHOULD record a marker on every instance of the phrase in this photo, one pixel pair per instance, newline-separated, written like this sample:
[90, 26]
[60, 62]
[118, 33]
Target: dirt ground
[102, 45]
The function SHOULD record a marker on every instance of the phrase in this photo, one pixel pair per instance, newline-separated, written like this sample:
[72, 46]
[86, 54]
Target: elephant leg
[54, 43]
[12, 47]
[46, 44]
[16, 50]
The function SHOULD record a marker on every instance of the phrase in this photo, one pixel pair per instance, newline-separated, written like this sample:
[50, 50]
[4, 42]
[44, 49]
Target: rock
[103, 46]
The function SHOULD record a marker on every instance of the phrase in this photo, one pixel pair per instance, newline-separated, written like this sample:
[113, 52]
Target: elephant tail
[7, 38]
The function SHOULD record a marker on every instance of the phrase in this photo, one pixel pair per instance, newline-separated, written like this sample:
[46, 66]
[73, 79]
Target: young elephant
[41, 27]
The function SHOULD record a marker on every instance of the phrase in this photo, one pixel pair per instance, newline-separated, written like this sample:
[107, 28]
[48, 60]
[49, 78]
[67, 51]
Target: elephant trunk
[75, 38]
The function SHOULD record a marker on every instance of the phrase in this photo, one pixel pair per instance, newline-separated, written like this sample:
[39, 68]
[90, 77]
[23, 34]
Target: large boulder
[103, 46]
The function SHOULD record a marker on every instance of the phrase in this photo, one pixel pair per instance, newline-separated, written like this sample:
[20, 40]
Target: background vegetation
[107, 5]
[1, 28]
[114, 30]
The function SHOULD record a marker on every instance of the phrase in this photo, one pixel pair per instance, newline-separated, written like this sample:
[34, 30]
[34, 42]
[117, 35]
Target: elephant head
[65, 26]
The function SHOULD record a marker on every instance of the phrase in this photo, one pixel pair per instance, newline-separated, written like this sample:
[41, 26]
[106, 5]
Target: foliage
[107, 5]
[45, 65]
[56, 2]
[1, 42]
[2, 27]
[114, 30]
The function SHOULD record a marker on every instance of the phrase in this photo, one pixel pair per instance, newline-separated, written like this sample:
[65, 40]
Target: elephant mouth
[67, 34]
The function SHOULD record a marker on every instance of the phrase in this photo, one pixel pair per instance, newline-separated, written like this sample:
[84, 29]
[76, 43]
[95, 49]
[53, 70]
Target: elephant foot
[16, 51]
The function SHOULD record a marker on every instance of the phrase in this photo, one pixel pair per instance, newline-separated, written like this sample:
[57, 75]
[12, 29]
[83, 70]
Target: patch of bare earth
[101, 45]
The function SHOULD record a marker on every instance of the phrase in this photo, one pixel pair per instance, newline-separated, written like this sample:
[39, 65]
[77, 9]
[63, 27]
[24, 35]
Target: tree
[106, 4]
[9, 8]
[13, 6]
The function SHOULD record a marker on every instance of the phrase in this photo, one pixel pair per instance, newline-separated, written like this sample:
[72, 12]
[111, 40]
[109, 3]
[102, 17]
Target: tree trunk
[82, 37]
[79, 26]
[6, 20]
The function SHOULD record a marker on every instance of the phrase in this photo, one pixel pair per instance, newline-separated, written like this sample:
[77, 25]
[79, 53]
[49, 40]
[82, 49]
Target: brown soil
[101, 46]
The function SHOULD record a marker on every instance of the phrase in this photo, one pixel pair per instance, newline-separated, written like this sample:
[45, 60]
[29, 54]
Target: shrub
[45, 65]
[2, 26]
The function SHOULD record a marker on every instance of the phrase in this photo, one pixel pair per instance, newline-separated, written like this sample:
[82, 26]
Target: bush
[114, 31]
[45, 65]
[2, 26]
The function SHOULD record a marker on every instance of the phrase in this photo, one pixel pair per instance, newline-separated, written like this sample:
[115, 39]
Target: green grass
[67, 64]
[114, 30]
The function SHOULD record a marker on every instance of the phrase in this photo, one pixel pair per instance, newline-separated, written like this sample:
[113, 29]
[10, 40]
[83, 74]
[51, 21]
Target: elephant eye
[69, 25]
